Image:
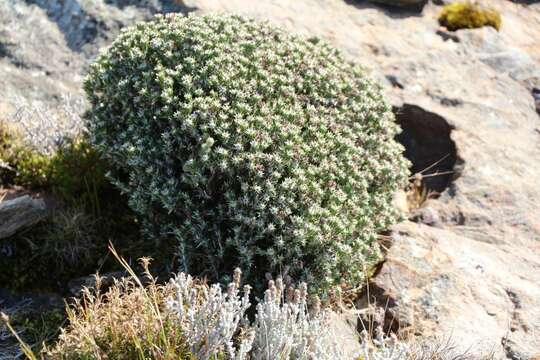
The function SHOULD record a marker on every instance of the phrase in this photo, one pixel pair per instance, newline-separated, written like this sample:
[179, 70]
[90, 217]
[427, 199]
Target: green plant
[69, 243]
[39, 328]
[8, 140]
[90, 213]
[30, 323]
[248, 147]
[19, 163]
[467, 15]
[75, 171]
[87, 212]
[32, 168]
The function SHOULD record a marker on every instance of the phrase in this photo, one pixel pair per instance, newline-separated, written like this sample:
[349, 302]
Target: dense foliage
[248, 147]
[466, 15]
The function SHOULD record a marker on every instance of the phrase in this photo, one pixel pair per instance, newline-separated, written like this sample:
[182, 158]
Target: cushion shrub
[248, 147]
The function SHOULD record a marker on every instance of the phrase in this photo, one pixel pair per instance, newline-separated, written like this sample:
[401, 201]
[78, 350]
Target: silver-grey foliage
[248, 147]
[215, 322]
[45, 128]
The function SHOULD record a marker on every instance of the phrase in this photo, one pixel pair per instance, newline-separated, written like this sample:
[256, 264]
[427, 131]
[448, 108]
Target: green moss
[466, 15]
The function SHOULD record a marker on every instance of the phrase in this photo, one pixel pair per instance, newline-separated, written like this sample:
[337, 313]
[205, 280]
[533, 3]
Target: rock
[488, 46]
[443, 283]
[517, 64]
[426, 215]
[343, 326]
[46, 46]
[448, 35]
[20, 213]
[400, 201]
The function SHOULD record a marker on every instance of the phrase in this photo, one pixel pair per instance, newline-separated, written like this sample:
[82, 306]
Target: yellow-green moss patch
[467, 15]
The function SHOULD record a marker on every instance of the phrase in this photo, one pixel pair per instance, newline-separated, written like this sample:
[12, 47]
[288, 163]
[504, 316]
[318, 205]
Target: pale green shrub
[248, 147]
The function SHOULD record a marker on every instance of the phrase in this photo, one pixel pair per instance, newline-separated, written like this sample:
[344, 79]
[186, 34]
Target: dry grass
[129, 321]
[417, 193]
[444, 349]
[125, 322]
[10, 348]
[137, 318]
[69, 238]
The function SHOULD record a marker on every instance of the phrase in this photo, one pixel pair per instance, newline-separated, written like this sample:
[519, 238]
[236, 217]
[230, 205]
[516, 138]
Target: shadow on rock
[397, 9]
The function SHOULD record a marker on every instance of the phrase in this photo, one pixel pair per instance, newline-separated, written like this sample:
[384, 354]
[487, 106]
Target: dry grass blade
[26, 349]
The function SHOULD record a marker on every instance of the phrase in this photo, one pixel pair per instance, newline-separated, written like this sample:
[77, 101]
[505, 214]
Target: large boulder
[442, 283]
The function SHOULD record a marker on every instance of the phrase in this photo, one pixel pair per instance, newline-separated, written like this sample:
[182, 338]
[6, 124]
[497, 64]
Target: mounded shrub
[466, 15]
[248, 147]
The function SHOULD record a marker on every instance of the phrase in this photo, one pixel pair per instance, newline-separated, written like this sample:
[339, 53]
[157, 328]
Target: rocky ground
[467, 263]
